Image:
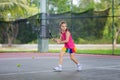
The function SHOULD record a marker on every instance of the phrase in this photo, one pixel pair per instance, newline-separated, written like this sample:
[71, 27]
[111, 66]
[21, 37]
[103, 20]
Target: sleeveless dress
[69, 47]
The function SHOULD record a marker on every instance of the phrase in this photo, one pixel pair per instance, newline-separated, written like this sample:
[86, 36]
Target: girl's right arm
[57, 40]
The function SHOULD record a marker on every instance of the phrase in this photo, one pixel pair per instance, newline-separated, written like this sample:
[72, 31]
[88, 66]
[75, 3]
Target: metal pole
[113, 46]
[42, 40]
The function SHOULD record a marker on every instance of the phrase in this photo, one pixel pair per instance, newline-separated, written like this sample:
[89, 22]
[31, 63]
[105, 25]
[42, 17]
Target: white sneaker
[59, 69]
[79, 67]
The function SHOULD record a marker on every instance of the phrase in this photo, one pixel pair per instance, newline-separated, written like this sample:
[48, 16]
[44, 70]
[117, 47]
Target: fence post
[113, 46]
[42, 40]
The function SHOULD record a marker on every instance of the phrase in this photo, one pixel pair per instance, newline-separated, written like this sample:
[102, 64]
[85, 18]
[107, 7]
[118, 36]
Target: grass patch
[97, 52]
[13, 49]
[23, 51]
[107, 52]
[93, 40]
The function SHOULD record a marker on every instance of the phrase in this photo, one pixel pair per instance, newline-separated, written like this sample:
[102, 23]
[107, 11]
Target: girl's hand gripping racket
[51, 37]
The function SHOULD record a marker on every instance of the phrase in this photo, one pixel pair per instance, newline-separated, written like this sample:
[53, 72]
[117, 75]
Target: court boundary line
[106, 67]
[50, 71]
[30, 54]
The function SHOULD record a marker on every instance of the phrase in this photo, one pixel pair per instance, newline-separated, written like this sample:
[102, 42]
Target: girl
[69, 47]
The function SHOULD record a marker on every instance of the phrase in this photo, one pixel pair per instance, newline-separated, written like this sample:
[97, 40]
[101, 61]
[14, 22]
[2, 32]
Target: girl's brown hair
[62, 22]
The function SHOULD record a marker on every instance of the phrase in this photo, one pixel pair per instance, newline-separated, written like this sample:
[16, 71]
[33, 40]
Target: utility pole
[42, 39]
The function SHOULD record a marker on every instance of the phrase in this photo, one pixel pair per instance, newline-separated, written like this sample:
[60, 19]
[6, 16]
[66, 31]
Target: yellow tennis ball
[18, 65]
[33, 57]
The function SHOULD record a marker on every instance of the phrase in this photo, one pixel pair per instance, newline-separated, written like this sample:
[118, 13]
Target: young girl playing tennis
[69, 47]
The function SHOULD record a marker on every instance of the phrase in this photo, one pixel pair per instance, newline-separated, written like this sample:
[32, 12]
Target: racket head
[53, 34]
[50, 34]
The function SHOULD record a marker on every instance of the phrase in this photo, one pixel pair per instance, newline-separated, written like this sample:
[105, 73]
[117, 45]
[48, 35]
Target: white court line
[111, 67]
[105, 67]
[25, 58]
[31, 72]
[71, 68]
[25, 72]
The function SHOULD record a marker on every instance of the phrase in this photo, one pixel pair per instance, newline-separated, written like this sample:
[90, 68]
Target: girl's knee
[60, 55]
[72, 56]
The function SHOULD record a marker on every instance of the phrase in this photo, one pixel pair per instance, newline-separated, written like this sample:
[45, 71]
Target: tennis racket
[51, 36]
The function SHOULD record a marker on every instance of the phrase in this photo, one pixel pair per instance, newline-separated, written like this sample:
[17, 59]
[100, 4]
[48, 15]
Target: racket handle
[54, 40]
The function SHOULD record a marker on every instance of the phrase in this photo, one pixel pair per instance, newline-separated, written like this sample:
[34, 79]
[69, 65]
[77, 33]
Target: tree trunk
[12, 31]
[116, 37]
[10, 40]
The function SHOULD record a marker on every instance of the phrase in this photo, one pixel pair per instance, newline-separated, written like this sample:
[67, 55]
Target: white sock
[78, 64]
[60, 65]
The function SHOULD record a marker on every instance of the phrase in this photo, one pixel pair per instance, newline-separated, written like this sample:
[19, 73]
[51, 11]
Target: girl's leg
[61, 57]
[72, 56]
[59, 67]
[79, 67]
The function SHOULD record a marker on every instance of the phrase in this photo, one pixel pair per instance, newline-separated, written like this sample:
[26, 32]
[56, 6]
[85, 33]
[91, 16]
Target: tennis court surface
[39, 66]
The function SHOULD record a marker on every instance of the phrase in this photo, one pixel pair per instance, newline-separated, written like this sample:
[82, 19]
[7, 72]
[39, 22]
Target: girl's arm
[58, 40]
[67, 38]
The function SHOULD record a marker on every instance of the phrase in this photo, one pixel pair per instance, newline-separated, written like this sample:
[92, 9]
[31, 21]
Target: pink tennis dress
[69, 47]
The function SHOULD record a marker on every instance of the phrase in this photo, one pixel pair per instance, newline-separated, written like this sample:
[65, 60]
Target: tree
[109, 29]
[101, 5]
[61, 6]
[116, 25]
[12, 10]
[83, 5]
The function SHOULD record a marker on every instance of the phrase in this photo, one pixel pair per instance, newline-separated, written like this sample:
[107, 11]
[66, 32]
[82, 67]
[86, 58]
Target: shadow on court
[95, 67]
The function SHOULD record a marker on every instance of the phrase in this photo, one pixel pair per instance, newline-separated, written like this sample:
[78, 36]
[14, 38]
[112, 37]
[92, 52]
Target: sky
[75, 2]
[98, 1]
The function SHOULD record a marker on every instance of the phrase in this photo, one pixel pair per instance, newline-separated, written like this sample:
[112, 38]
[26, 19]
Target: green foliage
[35, 41]
[61, 6]
[84, 30]
[15, 9]
[26, 34]
[102, 5]
[114, 10]
[83, 5]
[93, 41]
[11, 12]
[96, 51]
[80, 41]
[118, 40]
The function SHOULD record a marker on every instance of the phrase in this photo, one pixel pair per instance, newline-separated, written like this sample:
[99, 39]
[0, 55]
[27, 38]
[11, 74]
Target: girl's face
[63, 27]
